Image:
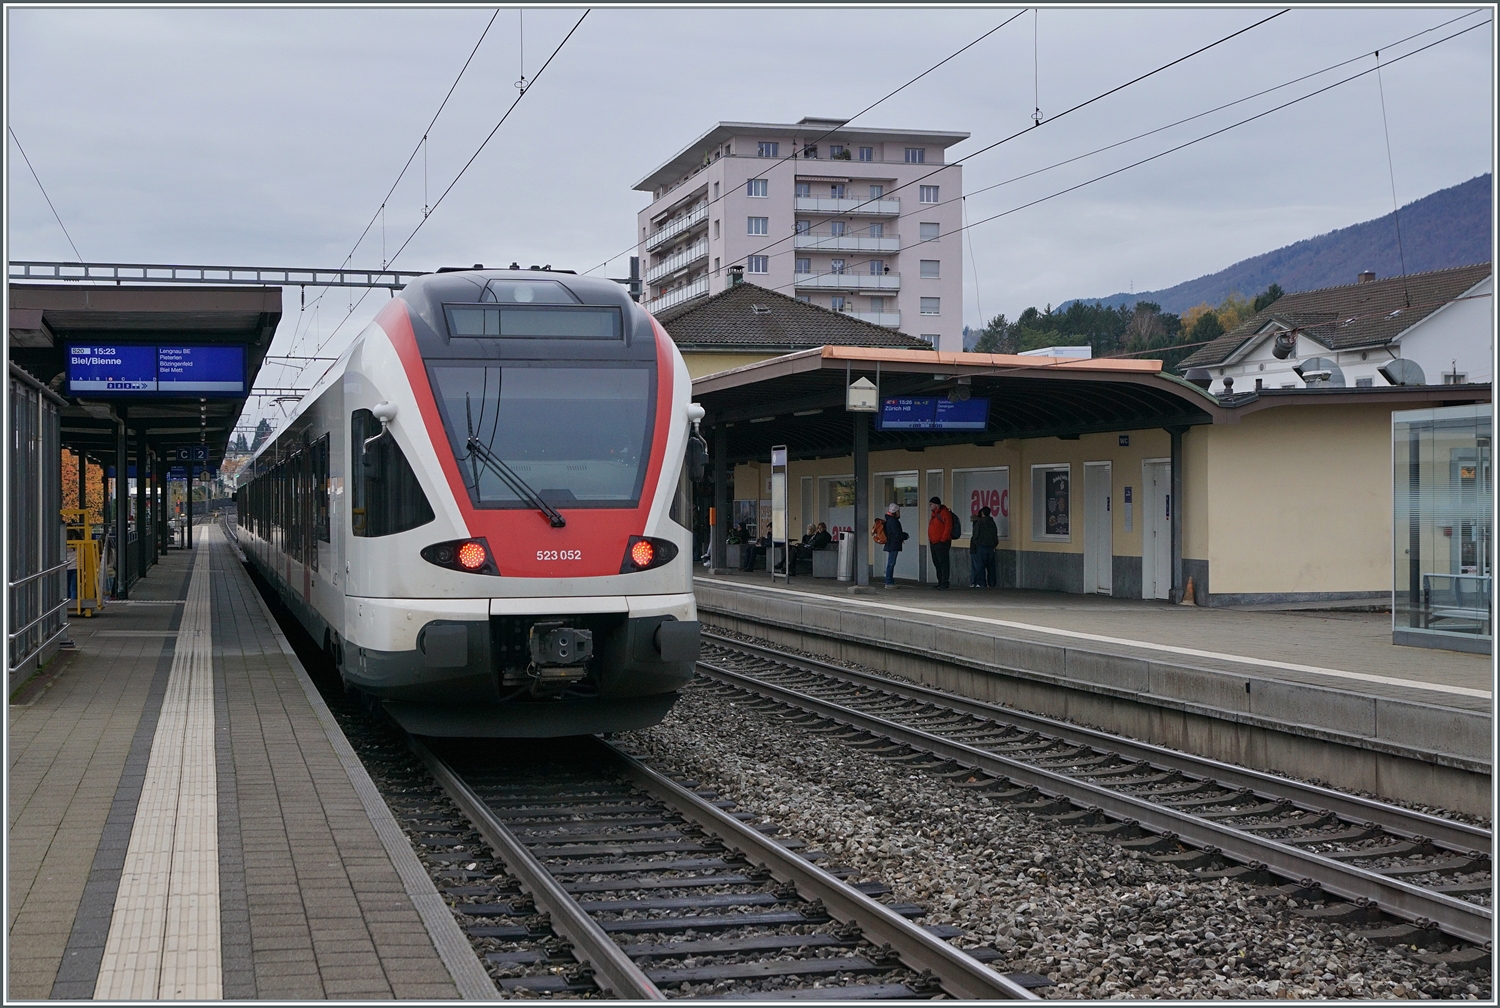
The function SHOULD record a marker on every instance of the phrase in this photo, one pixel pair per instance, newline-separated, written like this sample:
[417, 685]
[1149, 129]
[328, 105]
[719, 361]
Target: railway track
[1432, 874]
[661, 891]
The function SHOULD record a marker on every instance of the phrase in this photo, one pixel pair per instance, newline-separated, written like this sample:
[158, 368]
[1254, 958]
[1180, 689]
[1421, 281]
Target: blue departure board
[932, 413]
[104, 370]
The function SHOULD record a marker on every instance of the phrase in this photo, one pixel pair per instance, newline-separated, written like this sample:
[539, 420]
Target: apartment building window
[757, 264]
[1364, 383]
[877, 267]
[928, 194]
[837, 151]
[930, 268]
[867, 153]
[716, 190]
[836, 303]
[836, 265]
[877, 230]
[803, 227]
[916, 155]
[877, 304]
[930, 338]
[838, 190]
[929, 230]
[932, 306]
[757, 187]
[757, 225]
[804, 188]
[768, 148]
[804, 265]
[804, 298]
[810, 151]
[716, 228]
[877, 191]
[836, 228]
[716, 264]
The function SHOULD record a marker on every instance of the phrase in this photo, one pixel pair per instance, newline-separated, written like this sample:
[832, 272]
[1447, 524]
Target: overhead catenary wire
[803, 145]
[1161, 129]
[1035, 125]
[1189, 143]
[55, 214]
[1390, 165]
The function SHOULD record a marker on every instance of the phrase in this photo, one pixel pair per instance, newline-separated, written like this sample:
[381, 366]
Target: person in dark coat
[983, 540]
[895, 535]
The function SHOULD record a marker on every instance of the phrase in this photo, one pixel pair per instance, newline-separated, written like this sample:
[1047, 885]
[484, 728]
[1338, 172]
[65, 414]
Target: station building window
[980, 488]
[1051, 502]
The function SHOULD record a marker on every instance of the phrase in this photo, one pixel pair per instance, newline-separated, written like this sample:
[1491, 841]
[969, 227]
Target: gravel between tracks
[1098, 921]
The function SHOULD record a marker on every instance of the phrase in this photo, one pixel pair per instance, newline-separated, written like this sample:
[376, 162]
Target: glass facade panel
[1443, 518]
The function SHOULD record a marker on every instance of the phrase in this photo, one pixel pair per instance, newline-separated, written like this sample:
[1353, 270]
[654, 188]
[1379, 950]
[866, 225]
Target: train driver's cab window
[386, 495]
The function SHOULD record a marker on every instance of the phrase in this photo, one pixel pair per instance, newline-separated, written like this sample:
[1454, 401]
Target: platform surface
[186, 822]
[1346, 651]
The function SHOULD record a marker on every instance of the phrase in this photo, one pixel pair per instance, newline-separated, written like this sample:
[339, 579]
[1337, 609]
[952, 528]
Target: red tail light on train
[643, 553]
[472, 556]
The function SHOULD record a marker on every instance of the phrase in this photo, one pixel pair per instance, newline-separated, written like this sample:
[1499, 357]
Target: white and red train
[483, 509]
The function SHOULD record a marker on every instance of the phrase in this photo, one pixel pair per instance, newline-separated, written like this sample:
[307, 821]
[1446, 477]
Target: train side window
[387, 497]
[320, 488]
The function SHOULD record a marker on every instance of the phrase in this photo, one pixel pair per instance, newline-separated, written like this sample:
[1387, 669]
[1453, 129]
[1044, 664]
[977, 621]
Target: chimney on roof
[1367, 276]
[736, 275]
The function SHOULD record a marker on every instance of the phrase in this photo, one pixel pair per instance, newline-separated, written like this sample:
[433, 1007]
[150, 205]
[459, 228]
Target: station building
[1107, 476]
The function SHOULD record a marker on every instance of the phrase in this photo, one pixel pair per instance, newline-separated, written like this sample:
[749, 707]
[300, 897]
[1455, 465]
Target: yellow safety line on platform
[1126, 642]
[164, 940]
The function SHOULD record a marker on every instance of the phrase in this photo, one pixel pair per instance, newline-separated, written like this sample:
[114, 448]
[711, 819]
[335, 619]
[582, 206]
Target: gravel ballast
[1097, 920]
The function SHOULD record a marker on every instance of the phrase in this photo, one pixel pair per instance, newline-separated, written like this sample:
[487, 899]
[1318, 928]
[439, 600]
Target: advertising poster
[1055, 499]
[980, 489]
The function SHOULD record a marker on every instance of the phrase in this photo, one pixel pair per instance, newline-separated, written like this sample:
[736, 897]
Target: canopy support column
[861, 498]
[719, 534]
[122, 510]
[1179, 583]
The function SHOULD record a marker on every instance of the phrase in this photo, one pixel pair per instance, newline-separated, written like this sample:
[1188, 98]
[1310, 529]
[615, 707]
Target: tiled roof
[750, 317]
[1354, 315]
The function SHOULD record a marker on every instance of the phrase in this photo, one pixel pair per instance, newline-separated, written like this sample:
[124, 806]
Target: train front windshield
[578, 436]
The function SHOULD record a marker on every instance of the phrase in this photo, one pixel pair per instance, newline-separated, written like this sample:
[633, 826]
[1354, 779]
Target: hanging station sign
[932, 413]
[114, 369]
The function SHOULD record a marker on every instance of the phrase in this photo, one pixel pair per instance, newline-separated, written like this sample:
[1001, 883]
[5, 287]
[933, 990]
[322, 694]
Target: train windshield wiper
[518, 486]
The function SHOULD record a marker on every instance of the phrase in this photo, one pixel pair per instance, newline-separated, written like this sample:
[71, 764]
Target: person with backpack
[983, 541]
[942, 529]
[889, 533]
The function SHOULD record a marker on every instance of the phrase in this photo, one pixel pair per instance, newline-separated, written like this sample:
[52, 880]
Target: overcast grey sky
[269, 136]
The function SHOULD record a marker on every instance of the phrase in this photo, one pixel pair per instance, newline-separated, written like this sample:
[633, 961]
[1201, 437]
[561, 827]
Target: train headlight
[642, 553]
[471, 556]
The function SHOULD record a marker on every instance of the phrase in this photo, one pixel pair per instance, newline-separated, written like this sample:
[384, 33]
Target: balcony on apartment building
[889, 319]
[826, 241]
[863, 206]
[849, 281]
[676, 227]
[687, 292]
[694, 252]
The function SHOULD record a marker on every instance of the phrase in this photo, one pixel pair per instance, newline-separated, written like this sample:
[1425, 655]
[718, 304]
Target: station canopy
[799, 400]
[188, 358]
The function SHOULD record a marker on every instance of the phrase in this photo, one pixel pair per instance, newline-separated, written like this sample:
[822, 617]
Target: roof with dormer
[754, 318]
[1355, 315]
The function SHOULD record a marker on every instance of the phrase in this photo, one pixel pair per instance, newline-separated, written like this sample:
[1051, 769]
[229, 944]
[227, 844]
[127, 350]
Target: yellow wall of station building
[1289, 500]
[700, 364]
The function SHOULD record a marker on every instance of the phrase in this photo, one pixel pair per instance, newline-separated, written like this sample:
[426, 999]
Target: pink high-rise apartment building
[864, 221]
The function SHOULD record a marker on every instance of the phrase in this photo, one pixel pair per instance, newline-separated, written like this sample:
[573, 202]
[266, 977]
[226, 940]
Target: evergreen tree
[1206, 328]
[1268, 297]
[995, 337]
[262, 431]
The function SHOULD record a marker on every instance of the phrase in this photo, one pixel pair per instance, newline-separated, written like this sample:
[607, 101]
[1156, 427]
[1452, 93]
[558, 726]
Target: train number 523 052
[559, 554]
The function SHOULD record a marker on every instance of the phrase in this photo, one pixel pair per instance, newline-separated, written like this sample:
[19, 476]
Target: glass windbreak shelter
[1444, 549]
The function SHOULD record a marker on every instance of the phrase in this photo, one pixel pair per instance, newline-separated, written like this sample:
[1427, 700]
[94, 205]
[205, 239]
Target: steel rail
[1405, 823]
[612, 967]
[1456, 917]
[959, 974]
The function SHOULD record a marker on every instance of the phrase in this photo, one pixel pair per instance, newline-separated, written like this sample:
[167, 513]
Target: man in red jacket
[941, 529]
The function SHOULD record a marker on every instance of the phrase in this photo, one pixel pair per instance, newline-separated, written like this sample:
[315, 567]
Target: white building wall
[901, 285]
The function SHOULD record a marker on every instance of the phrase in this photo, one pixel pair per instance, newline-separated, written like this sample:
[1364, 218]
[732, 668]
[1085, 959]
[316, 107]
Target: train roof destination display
[132, 369]
[932, 413]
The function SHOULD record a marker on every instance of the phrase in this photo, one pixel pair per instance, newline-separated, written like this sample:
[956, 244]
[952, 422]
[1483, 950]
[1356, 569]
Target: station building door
[1098, 530]
[1156, 538]
[900, 489]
